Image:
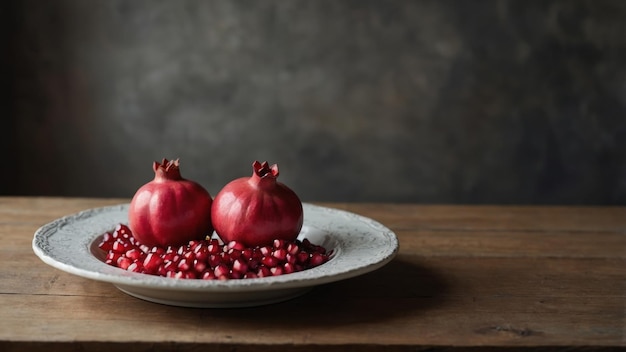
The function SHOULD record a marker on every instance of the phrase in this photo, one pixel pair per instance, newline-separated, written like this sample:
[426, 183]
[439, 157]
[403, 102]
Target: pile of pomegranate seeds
[210, 259]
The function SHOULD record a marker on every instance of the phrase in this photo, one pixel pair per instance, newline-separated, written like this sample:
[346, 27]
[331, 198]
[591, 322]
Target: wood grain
[540, 278]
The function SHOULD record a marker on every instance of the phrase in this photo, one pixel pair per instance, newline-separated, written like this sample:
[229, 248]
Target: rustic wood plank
[483, 217]
[559, 244]
[474, 301]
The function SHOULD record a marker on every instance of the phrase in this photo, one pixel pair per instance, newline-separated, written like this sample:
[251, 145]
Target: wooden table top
[523, 277]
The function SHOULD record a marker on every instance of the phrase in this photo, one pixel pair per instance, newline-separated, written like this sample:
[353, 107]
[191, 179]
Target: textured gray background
[424, 101]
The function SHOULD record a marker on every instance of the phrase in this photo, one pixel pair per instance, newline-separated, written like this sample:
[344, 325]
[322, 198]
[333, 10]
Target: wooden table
[543, 278]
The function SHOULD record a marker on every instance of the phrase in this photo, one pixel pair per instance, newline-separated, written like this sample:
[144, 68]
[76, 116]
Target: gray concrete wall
[424, 101]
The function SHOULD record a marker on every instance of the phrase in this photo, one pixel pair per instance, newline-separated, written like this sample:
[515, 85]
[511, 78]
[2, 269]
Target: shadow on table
[399, 288]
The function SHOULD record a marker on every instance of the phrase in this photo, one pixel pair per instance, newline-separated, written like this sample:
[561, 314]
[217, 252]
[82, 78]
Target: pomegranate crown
[167, 169]
[263, 170]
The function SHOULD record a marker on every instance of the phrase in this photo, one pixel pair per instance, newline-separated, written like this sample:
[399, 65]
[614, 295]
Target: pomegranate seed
[317, 259]
[236, 245]
[179, 275]
[170, 266]
[119, 246]
[256, 255]
[214, 260]
[293, 248]
[302, 257]
[264, 272]
[157, 250]
[221, 270]
[214, 246]
[136, 267]
[247, 253]
[124, 262]
[190, 275]
[269, 262]
[279, 244]
[152, 262]
[134, 254]
[208, 259]
[199, 266]
[289, 268]
[280, 254]
[236, 275]
[184, 265]
[234, 254]
[208, 275]
[123, 230]
[171, 256]
[253, 264]
[202, 255]
[224, 257]
[190, 256]
[107, 237]
[266, 250]
[161, 270]
[105, 246]
[240, 266]
[201, 246]
[112, 257]
[193, 244]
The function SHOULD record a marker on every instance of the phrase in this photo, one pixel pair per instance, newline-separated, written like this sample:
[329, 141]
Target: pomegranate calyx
[167, 170]
[264, 176]
[263, 170]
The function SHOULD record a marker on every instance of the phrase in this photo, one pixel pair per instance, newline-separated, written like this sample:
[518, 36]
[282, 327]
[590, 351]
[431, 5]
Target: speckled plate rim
[360, 245]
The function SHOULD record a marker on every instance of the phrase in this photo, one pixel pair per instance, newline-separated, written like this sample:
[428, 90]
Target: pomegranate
[170, 210]
[209, 259]
[257, 210]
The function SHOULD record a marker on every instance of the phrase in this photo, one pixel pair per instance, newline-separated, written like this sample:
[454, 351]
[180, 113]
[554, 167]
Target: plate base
[192, 299]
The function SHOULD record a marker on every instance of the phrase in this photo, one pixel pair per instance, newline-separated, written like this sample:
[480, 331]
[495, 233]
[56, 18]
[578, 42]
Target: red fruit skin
[170, 210]
[257, 210]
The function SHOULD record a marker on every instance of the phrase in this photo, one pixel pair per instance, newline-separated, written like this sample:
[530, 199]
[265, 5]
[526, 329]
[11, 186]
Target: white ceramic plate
[360, 245]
